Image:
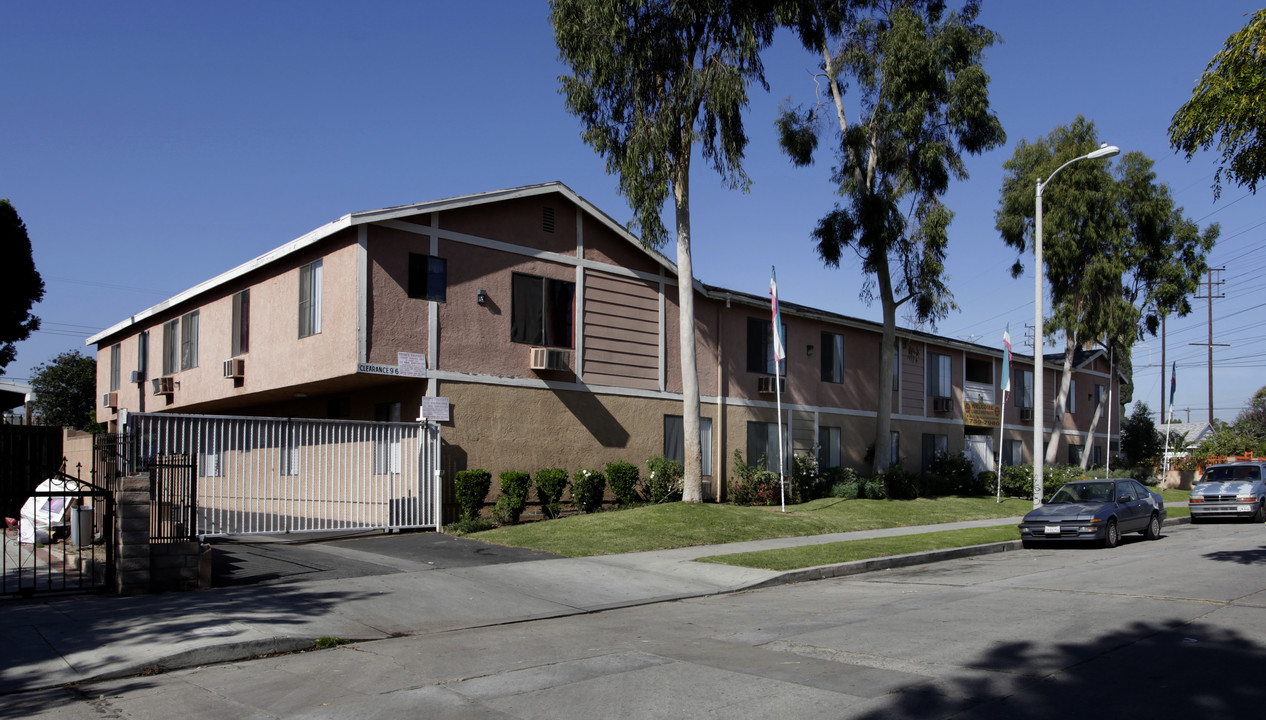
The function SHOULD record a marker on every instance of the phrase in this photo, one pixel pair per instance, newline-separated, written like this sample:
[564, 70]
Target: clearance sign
[983, 414]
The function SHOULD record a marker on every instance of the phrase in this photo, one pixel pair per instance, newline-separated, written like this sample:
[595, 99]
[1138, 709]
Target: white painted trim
[433, 319]
[578, 327]
[362, 295]
[663, 338]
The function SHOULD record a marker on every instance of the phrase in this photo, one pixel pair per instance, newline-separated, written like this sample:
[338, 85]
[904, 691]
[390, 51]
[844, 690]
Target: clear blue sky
[150, 146]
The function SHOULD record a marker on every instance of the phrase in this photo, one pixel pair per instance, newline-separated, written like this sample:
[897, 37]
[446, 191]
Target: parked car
[1095, 510]
[1235, 489]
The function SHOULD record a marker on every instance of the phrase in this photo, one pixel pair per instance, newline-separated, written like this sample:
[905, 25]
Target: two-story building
[552, 331]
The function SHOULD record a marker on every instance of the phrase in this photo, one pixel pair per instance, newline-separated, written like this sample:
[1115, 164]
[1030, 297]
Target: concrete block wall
[144, 567]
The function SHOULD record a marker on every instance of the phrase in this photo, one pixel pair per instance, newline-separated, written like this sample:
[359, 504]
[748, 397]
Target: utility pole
[1210, 344]
[1163, 416]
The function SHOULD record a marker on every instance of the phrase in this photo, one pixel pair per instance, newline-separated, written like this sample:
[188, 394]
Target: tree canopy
[65, 391]
[20, 284]
[651, 81]
[917, 101]
[1227, 107]
[1141, 442]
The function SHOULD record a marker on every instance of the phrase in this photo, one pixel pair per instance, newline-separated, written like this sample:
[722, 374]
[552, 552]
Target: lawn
[670, 525]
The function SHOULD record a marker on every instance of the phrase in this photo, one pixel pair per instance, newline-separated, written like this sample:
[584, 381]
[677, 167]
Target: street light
[1105, 150]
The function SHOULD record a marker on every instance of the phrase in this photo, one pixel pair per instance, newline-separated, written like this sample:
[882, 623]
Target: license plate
[1246, 508]
[1052, 529]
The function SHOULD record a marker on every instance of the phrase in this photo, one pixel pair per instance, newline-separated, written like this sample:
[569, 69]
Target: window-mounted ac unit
[765, 385]
[549, 359]
[138, 376]
[940, 404]
[235, 368]
[110, 400]
[1026, 413]
[164, 385]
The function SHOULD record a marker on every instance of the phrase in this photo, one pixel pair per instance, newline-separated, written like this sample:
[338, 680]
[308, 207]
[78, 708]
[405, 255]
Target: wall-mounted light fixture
[809, 350]
[482, 297]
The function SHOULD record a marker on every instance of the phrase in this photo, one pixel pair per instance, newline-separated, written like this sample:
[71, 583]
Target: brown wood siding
[621, 317]
[912, 377]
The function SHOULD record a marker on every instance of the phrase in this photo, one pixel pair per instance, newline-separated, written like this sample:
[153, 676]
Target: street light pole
[1039, 365]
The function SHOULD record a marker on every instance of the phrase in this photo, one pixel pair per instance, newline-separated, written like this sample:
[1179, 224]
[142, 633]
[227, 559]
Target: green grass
[658, 527]
[851, 550]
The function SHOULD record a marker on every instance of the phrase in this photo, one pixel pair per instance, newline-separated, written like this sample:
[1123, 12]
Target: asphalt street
[1172, 628]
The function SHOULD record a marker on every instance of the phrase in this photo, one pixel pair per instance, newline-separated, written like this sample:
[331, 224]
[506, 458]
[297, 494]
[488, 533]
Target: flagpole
[780, 353]
[1173, 385]
[782, 462]
[1001, 429]
[1005, 386]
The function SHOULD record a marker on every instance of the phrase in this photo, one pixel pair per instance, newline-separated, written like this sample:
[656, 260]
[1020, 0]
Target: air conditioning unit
[1026, 413]
[549, 359]
[110, 400]
[235, 368]
[138, 376]
[940, 404]
[164, 385]
[765, 385]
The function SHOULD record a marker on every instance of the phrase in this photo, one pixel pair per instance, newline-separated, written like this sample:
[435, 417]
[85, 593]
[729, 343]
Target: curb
[857, 567]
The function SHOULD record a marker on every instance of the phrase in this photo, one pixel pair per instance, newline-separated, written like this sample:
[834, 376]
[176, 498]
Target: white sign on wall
[411, 364]
[435, 409]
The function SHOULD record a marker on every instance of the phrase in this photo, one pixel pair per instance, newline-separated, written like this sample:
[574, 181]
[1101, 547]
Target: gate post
[131, 541]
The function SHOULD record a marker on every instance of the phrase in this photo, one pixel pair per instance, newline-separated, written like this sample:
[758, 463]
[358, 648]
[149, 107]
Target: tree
[1252, 420]
[66, 390]
[21, 287]
[649, 81]
[1227, 106]
[1118, 254]
[922, 101]
[1141, 443]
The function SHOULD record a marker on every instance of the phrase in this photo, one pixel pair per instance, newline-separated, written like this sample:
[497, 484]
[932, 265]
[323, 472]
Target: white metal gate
[280, 475]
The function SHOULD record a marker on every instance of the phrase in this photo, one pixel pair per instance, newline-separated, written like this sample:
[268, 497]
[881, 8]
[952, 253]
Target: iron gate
[63, 541]
[282, 475]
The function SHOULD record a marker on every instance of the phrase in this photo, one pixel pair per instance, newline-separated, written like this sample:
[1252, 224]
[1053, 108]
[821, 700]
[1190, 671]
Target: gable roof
[391, 213]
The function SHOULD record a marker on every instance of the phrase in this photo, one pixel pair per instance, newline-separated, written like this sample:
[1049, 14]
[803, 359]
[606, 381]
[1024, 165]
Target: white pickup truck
[1230, 490]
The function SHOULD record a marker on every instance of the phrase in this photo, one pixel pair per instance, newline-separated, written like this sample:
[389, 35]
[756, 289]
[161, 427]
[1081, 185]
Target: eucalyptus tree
[1226, 107]
[651, 80]
[1118, 254]
[22, 285]
[903, 95]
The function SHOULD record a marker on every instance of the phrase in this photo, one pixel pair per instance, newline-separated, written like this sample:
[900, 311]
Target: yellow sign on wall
[985, 414]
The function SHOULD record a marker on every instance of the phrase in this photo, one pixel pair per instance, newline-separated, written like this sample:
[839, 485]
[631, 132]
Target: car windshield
[1083, 493]
[1232, 472]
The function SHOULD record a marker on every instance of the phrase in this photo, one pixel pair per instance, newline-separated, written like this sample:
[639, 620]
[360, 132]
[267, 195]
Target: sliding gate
[282, 475]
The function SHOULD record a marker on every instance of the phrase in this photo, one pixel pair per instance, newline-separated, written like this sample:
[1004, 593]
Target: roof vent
[547, 219]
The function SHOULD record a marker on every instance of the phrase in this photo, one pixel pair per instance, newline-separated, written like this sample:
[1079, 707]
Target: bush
[951, 475]
[804, 478]
[466, 527]
[900, 484]
[752, 484]
[663, 479]
[844, 490]
[1017, 480]
[841, 483]
[550, 485]
[472, 488]
[514, 495]
[870, 489]
[624, 479]
[587, 489]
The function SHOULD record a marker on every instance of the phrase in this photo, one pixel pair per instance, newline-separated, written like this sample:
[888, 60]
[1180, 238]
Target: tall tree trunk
[1090, 435]
[692, 485]
[883, 420]
[1061, 400]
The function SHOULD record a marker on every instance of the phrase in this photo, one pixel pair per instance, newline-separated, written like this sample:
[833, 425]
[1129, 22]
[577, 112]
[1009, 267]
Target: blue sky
[150, 146]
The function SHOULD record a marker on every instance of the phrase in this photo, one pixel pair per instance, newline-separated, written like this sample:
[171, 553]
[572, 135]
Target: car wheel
[1260, 515]
[1196, 519]
[1028, 544]
[1153, 528]
[1113, 535]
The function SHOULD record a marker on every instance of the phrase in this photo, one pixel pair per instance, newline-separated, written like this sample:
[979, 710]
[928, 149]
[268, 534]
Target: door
[979, 449]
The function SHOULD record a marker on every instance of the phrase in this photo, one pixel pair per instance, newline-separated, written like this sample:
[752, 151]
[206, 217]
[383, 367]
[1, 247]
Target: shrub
[844, 490]
[804, 478]
[1017, 481]
[870, 489]
[514, 494]
[550, 485]
[472, 488]
[663, 479]
[587, 489]
[841, 483]
[466, 527]
[624, 479]
[752, 484]
[950, 475]
[900, 485]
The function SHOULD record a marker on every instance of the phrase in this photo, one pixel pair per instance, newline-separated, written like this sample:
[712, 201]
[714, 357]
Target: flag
[1006, 363]
[1173, 383]
[780, 352]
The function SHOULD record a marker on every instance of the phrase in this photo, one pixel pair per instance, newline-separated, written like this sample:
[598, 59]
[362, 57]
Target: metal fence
[280, 475]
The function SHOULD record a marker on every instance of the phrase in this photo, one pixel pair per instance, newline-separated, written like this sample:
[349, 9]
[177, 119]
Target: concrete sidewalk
[57, 641]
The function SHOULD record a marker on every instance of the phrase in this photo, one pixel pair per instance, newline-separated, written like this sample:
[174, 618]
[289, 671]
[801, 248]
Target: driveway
[272, 559]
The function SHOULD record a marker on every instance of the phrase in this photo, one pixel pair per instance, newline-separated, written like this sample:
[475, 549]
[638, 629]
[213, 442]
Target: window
[338, 408]
[1024, 389]
[1011, 452]
[896, 365]
[241, 323]
[387, 439]
[171, 346]
[289, 451]
[1074, 454]
[979, 371]
[428, 277]
[828, 447]
[209, 449]
[675, 439]
[938, 375]
[1100, 391]
[115, 359]
[1071, 405]
[832, 357]
[894, 449]
[762, 441]
[310, 299]
[189, 341]
[542, 311]
[1096, 455]
[142, 354]
[760, 347]
[934, 445]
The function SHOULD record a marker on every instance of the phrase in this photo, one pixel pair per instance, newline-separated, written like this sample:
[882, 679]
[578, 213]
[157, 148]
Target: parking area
[271, 559]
